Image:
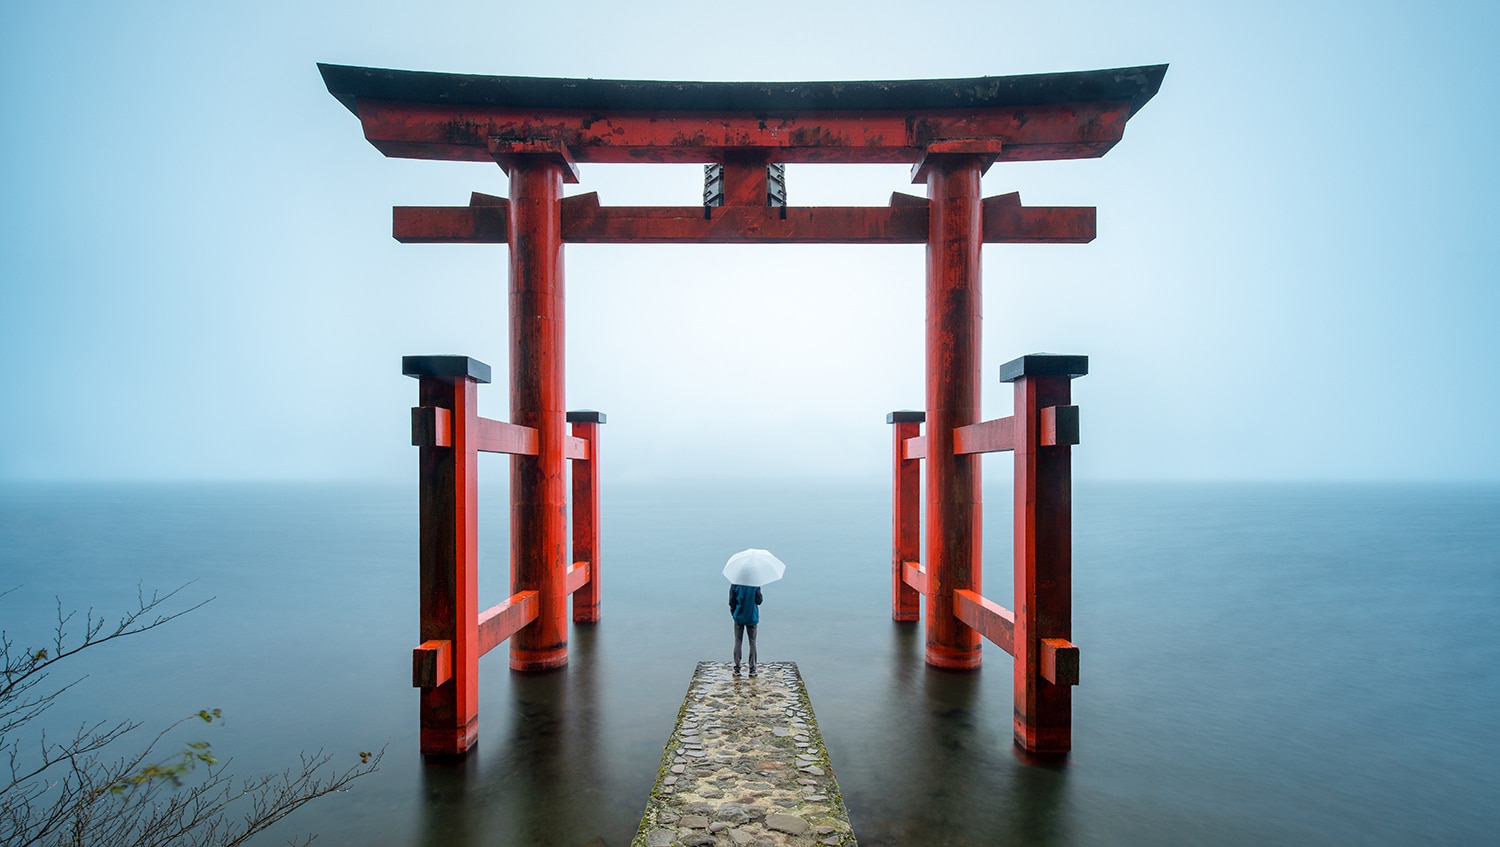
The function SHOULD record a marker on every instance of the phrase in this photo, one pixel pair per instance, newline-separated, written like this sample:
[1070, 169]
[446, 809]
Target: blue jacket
[740, 606]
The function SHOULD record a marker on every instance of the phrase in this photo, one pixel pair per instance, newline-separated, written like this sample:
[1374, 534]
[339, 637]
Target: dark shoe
[752, 670]
[736, 670]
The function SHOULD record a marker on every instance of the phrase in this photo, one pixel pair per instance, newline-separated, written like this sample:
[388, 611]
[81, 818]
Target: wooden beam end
[431, 426]
[1059, 426]
[912, 574]
[1059, 661]
[431, 664]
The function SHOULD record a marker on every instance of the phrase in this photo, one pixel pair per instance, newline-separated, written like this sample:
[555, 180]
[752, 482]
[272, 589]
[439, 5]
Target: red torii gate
[950, 131]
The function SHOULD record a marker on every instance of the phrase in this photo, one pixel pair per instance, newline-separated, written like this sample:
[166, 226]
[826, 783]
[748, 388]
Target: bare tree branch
[68, 792]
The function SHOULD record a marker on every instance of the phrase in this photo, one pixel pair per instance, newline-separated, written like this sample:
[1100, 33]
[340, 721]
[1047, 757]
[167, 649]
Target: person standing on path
[744, 607]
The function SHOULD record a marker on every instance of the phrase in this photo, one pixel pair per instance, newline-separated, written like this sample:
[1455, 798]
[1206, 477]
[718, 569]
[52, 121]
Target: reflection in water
[950, 762]
[1193, 648]
[543, 786]
[1038, 791]
[447, 815]
[545, 780]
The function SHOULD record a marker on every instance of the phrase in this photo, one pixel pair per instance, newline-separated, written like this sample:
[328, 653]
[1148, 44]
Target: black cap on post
[586, 416]
[906, 416]
[1044, 364]
[452, 367]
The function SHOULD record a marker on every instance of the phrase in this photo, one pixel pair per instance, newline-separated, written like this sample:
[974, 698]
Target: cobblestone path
[745, 767]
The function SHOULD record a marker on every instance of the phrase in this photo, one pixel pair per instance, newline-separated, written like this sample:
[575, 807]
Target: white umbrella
[753, 567]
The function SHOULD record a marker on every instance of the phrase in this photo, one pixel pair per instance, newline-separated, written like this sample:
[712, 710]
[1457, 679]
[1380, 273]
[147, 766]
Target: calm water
[1309, 665]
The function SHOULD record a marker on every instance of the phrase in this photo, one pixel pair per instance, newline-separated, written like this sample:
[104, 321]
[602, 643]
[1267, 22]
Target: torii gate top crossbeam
[424, 115]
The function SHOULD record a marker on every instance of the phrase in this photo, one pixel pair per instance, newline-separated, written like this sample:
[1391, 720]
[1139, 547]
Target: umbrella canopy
[753, 567]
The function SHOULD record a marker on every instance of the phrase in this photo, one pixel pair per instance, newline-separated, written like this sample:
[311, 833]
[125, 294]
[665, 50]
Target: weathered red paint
[585, 473]
[906, 514]
[449, 542]
[985, 436]
[576, 577]
[1043, 563]
[916, 448]
[988, 618]
[1059, 661]
[538, 528]
[498, 623]
[915, 576]
[745, 177]
[505, 437]
[584, 221]
[1032, 133]
[431, 664]
[953, 311]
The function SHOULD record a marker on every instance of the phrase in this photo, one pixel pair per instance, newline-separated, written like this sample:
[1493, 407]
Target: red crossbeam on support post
[577, 577]
[498, 623]
[432, 662]
[990, 619]
[1046, 662]
[584, 221]
[914, 576]
[985, 437]
[502, 437]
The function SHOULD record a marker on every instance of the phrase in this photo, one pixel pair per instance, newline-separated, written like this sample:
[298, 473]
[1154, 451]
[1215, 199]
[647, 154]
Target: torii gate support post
[585, 426]
[1046, 661]
[906, 514]
[538, 520]
[449, 550]
[953, 344]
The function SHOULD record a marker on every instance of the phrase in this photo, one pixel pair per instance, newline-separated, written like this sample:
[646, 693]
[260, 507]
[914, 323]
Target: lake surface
[1260, 664]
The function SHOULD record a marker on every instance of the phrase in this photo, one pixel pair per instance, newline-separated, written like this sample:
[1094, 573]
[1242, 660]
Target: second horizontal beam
[586, 222]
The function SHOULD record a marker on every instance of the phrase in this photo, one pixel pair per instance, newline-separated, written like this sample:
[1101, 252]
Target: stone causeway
[745, 767]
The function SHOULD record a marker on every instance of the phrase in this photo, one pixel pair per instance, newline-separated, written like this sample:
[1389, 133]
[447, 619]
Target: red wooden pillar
[1045, 660]
[585, 425]
[953, 310]
[906, 514]
[538, 486]
[449, 542]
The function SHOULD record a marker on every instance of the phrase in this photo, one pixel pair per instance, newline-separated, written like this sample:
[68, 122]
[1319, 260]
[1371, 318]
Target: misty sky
[1295, 274]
